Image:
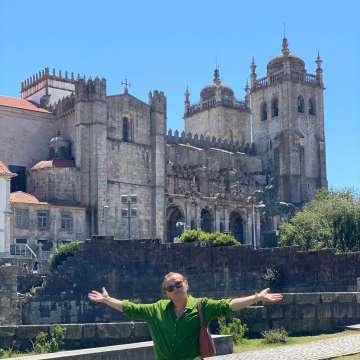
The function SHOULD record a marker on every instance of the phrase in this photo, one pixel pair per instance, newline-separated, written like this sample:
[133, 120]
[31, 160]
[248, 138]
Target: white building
[5, 211]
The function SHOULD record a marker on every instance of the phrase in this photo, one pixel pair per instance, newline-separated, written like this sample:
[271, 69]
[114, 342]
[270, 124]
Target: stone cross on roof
[126, 85]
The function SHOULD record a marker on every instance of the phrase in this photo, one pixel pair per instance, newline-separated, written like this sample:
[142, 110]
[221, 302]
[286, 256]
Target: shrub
[235, 328]
[62, 253]
[272, 275]
[224, 240]
[45, 343]
[331, 220]
[216, 238]
[275, 336]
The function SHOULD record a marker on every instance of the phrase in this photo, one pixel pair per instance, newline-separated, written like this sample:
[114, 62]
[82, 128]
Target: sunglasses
[177, 285]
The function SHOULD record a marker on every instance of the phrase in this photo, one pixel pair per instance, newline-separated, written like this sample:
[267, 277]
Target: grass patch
[258, 344]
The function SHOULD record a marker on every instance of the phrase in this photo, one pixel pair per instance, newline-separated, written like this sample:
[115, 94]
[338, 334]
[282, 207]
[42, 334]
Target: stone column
[9, 313]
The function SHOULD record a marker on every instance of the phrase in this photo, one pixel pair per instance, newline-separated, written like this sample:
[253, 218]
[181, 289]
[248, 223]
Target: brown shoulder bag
[206, 343]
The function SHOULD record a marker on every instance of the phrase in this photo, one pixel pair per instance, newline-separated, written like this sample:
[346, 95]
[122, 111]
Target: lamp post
[253, 201]
[129, 212]
[105, 215]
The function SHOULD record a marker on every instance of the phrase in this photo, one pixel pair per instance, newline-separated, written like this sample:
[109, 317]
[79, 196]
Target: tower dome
[277, 63]
[216, 89]
[59, 148]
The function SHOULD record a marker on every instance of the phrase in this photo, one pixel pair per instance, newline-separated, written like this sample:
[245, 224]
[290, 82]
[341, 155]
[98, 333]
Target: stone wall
[135, 269]
[77, 336]
[136, 351]
[9, 313]
[28, 146]
[304, 313]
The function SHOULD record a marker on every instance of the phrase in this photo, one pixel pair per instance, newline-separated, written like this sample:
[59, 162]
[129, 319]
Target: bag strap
[201, 315]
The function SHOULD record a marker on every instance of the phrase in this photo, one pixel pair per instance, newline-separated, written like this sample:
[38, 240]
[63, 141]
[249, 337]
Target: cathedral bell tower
[218, 114]
[288, 125]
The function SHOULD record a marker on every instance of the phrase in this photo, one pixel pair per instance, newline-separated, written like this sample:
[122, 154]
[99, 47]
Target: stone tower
[157, 102]
[45, 88]
[90, 147]
[288, 125]
[218, 114]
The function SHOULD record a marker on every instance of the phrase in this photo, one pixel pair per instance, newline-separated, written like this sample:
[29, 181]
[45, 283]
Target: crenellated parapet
[157, 101]
[205, 142]
[41, 79]
[90, 90]
[231, 103]
[63, 106]
[280, 76]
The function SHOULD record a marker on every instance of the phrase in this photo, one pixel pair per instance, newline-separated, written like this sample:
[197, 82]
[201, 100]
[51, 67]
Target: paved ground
[323, 349]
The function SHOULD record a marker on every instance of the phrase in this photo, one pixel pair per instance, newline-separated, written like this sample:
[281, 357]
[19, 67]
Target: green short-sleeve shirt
[175, 339]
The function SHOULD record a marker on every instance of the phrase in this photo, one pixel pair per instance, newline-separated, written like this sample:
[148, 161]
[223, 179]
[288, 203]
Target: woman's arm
[104, 298]
[242, 302]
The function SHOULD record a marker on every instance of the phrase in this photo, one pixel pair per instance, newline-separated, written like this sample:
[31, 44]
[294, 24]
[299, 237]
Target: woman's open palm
[98, 296]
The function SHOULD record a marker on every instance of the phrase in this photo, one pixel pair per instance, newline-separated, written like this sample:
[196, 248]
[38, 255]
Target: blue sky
[166, 44]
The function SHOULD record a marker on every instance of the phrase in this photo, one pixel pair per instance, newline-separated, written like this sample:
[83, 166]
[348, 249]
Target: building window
[21, 241]
[312, 109]
[18, 183]
[22, 218]
[275, 108]
[43, 219]
[263, 111]
[127, 130]
[67, 221]
[300, 104]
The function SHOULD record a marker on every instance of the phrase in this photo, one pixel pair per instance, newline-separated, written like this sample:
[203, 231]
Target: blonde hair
[163, 287]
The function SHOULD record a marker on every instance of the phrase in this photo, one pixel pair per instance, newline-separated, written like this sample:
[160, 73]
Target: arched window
[312, 108]
[275, 108]
[206, 220]
[263, 111]
[236, 226]
[175, 223]
[127, 130]
[300, 104]
[222, 227]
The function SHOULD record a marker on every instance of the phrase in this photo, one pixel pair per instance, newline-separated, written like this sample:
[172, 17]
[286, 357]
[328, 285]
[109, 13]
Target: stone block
[308, 311]
[258, 327]
[307, 298]
[6, 331]
[346, 297]
[289, 311]
[89, 331]
[325, 324]
[328, 297]
[114, 330]
[275, 312]
[340, 311]
[73, 331]
[30, 331]
[288, 298]
[324, 311]
[141, 331]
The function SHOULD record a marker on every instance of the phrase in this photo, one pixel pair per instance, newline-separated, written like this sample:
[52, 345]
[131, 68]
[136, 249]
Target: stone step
[355, 327]
[134, 351]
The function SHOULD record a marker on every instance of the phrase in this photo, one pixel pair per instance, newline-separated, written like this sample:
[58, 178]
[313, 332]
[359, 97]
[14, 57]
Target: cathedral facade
[74, 146]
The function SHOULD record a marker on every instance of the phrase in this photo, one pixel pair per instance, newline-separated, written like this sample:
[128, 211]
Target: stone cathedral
[112, 158]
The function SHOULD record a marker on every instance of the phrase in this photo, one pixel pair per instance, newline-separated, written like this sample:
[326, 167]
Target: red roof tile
[20, 104]
[4, 170]
[25, 198]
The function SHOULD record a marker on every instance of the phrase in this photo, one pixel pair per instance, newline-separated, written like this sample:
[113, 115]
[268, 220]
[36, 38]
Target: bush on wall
[62, 253]
[216, 238]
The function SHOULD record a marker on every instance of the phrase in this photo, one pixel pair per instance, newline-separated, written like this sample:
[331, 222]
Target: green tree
[62, 253]
[331, 220]
[216, 238]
